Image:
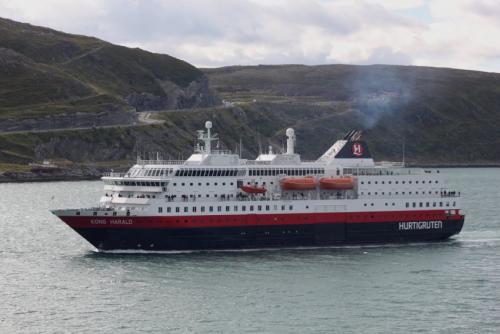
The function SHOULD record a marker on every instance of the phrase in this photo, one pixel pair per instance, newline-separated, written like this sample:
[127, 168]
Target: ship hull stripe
[211, 221]
[268, 236]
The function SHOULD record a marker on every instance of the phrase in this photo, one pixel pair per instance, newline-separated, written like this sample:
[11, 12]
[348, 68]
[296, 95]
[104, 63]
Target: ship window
[259, 207]
[290, 207]
[365, 204]
[447, 203]
[177, 209]
[371, 204]
[376, 182]
[215, 183]
[211, 209]
[407, 204]
[454, 203]
[414, 204]
[194, 209]
[440, 203]
[94, 213]
[227, 208]
[251, 207]
[243, 208]
[160, 209]
[267, 207]
[427, 204]
[78, 213]
[362, 182]
[369, 182]
[232, 184]
[235, 208]
[436, 181]
[282, 208]
[186, 209]
[169, 209]
[421, 204]
[219, 208]
[183, 184]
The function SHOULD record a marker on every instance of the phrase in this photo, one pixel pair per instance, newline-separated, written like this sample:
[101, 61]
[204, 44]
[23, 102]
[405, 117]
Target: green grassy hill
[44, 72]
[442, 115]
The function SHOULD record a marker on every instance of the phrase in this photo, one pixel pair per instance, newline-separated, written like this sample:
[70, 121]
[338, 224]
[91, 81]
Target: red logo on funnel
[357, 149]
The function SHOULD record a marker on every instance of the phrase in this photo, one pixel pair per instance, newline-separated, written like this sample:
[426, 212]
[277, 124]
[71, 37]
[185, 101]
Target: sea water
[52, 281]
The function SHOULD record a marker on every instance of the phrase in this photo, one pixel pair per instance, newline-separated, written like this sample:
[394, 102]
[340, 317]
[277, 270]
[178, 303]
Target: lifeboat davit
[299, 183]
[336, 183]
[253, 189]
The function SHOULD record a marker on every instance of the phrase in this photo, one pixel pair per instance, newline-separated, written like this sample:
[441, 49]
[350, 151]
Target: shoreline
[24, 177]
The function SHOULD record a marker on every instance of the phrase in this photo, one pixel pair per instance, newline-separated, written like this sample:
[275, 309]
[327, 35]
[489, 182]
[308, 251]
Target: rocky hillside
[50, 79]
[443, 115]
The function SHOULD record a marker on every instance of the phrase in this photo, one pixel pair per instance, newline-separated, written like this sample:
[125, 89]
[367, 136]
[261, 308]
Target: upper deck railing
[160, 162]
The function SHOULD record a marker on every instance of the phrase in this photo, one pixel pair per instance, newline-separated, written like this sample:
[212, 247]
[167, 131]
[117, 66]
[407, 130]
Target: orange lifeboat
[336, 183]
[299, 183]
[253, 189]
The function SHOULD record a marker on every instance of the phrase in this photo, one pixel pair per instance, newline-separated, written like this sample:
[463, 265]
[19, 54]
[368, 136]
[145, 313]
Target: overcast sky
[208, 33]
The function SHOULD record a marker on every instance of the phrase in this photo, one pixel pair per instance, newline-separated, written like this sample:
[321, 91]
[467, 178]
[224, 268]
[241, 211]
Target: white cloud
[454, 33]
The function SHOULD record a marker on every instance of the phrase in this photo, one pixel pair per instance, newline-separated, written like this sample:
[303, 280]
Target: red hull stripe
[252, 219]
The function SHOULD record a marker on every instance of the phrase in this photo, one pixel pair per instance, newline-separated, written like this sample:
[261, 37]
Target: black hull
[280, 236]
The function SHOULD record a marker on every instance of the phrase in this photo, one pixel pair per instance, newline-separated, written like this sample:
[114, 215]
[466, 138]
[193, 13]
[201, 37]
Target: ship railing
[114, 174]
[257, 162]
[160, 162]
[97, 208]
[379, 171]
[397, 164]
[267, 162]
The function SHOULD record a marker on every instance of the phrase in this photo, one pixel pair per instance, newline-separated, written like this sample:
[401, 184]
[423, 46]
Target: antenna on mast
[403, 152]
[260, 144]
[241, 148]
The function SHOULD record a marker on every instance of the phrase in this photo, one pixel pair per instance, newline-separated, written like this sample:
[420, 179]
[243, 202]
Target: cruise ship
[217, 200]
